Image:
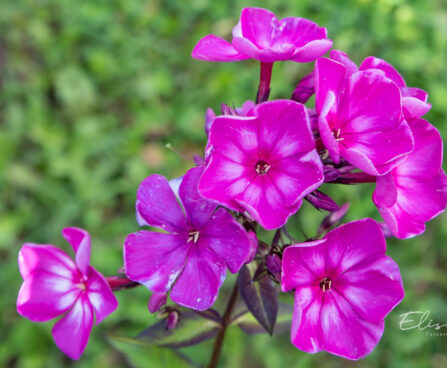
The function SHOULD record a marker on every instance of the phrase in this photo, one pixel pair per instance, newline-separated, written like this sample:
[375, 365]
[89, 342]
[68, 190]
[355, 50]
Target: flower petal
[265, 203]
[418, 201]
[292, 136]
[227, 239]
[377, 153]
[312, 50]
[386, 191]
[213, 48]
[100, 295]
[344, 332]
[296, 177]
[197, 208]
[372, 288]
[198, 284]
[414, 108]
[257, 25]
[155, 259]
[329, 76]
[347, 245]
[426, 158]
[298, 32]
[305, 333]
[372, 62]
[303, 265]
[157, 205]
[71, 333]
[44, 296]
[43, 257]
[369, 103]
[80, 240]
[342, 58]
[223, 180]
[326, 133]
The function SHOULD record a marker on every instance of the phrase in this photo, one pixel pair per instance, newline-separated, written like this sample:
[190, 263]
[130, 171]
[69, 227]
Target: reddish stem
[223, 328]
[264, 82]
[121, 282]
[355, 178]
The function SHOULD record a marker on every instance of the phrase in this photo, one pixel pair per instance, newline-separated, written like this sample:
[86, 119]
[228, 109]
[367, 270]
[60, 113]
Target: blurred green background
[91, 92]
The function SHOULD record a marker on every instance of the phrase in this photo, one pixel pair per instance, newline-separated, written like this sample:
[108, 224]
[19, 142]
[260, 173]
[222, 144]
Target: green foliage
[91, 93]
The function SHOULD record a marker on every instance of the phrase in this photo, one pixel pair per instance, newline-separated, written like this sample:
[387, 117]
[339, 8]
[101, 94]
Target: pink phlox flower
[54, 285]
[360, 117]
[263, 164]
[199, 243]
[260, 35]
[344, 285]
[414, 192]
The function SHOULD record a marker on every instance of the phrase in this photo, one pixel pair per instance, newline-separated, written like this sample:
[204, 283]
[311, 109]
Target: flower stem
[264, 82]
[120, 282]
[355, 178]
[225, 322]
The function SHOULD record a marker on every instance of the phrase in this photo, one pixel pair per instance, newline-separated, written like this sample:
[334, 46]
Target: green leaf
[192, 329]
[248, 323]
[143, 355]
[260, 296]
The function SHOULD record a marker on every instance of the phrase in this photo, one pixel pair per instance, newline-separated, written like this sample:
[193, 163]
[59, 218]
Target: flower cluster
[261, 161]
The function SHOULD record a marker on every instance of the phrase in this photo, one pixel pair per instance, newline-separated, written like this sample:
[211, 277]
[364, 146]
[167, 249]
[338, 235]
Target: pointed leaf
[141, 355]
[191, 330]
[210, 314]
[260, 296]
[248, 323]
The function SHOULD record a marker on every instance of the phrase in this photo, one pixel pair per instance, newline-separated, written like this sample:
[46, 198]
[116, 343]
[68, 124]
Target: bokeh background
[92, 91]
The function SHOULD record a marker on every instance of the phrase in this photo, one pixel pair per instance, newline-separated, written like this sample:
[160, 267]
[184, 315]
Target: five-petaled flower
[360, 117]
[344, 285]
[415, 191]
[201, 243]
[265, 163]
[54, 285]
[260, 35]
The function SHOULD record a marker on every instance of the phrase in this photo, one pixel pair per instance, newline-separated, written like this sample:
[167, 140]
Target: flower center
[262, 167]
[325, 284]
[193, 236]
[81, 286]
[337, 134]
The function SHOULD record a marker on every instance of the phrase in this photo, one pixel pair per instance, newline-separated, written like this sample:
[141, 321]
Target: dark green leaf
[248, 323]
[141, 355]
[191, 329]
[260, 296]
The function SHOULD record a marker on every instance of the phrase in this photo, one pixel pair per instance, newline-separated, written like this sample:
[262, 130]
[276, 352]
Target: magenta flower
[344, 285]
[414, 100]
[200, 244]
[260, 35]
[265, 163]
[360, 117]
[54, 285]
[414, 192]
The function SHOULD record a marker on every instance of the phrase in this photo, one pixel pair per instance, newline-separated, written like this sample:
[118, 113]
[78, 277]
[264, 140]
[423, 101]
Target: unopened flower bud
[322, 201]
[333, 218]
[156, 301]
[304, 89]
[172, 320]
[273, 263]
[330, 174]
[209, 118]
